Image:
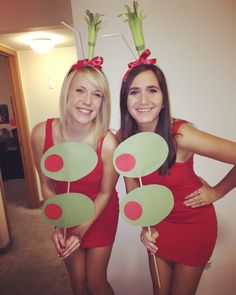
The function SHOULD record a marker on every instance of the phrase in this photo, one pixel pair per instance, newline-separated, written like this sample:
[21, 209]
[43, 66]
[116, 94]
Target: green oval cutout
[73, 160]
[156, 201]
[75, 208]
[149, 149]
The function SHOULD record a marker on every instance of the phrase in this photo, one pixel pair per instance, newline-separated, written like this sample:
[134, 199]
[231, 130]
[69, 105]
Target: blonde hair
[98, 79]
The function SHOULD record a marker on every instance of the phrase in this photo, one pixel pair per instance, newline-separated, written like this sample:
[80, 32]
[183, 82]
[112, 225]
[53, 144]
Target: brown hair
[129, 126]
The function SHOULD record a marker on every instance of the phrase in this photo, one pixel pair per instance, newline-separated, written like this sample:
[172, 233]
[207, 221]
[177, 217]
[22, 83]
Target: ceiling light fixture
[42, 45]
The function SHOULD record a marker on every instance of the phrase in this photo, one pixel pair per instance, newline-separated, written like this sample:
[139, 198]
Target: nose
[87, 98]
[143, 97]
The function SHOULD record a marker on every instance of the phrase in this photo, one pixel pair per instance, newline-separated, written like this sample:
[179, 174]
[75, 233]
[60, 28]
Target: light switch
[50, 83]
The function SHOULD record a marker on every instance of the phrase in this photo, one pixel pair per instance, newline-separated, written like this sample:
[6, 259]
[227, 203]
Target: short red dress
[102, 232]
[187, 235]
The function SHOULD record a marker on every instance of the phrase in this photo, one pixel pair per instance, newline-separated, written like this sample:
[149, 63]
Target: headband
[143, 59]
[95, 62]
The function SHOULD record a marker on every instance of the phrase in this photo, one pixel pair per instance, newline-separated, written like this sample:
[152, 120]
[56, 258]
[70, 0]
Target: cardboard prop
[147, 205]
[137, 156]
[130, 158]
[67, 210]
[68, 161]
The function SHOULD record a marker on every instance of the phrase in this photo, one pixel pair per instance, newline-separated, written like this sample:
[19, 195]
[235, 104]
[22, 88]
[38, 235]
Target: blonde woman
[85, 116]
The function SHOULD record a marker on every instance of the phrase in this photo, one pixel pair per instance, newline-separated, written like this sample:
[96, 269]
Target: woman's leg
[165, 269]
[76, 266]
[185, 279]
[96, 271]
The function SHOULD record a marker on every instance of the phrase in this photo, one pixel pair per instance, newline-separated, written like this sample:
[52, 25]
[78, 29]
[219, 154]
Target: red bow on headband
[95, 62]
[143, 59]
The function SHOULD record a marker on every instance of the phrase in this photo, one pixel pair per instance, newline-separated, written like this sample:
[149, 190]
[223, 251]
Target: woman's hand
[58, 240]
[64, 247]
[71, 244]
[81, 229]
[148, 239]
[73, 241]
[202, 197]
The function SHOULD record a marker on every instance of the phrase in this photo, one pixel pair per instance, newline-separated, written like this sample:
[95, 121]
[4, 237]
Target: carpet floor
[31, 266]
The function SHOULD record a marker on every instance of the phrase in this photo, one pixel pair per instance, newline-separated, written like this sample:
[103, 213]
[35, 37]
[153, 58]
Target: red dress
[102, 232]
[187, 235]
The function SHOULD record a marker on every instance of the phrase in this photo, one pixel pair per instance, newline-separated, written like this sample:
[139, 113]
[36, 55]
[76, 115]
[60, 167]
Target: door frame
[32, 193]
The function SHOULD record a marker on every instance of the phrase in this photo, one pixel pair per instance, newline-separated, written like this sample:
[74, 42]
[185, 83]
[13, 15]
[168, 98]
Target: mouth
[143, 110]
[84, 111]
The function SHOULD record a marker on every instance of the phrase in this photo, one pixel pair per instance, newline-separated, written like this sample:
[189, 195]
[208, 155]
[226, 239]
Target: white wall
[42, 76]
[38, 72]
[195, 45]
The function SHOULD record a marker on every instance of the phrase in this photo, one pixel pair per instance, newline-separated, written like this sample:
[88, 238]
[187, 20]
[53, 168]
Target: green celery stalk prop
[134, 20]
[93, 21]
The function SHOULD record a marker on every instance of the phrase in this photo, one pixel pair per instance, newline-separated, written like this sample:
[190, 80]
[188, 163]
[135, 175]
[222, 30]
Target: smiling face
[84, 100]
[145, 100]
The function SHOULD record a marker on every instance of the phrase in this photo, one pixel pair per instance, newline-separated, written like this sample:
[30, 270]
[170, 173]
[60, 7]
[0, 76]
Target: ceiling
[20, 41]
[30, 19]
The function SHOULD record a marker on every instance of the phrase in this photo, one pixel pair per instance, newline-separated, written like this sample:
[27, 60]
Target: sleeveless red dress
[102, 232]
[187, 235]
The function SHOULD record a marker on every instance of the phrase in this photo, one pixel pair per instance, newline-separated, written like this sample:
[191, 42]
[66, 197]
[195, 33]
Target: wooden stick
[64, 233]
[68, 187]
[155, 263]
[153, 255]
[140, 181]
[68, 190]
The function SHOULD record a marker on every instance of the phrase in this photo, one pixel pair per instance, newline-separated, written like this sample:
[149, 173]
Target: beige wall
[42, 76]
[195, 45]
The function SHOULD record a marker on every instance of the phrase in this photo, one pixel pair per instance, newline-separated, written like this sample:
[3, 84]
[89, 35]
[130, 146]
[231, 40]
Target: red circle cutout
[54, 163]
[133, 210]
[53, 211]
[125, 162]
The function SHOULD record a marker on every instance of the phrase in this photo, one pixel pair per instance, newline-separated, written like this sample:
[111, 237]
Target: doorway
[21, 123]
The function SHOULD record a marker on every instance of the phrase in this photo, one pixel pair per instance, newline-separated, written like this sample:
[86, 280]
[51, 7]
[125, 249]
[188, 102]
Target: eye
[98, 94]
[152, 90]
[134, 91]
[80, 90]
